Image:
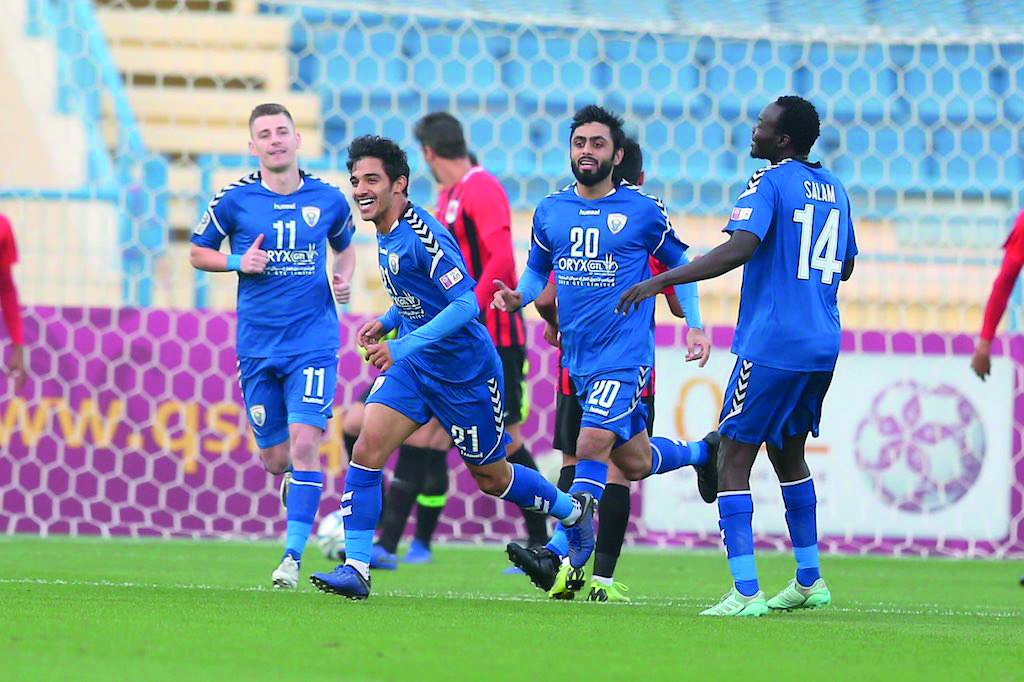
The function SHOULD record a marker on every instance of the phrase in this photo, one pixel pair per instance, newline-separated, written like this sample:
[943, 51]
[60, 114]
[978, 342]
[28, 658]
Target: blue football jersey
[788, 315]
[423, 271]
[597, 249]
[289, 308]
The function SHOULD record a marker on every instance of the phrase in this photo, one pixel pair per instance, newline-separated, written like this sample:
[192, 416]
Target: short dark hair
[391, 156]
[632, 164]
[270, 109]
[442, 132]
[799, 119]
[595, 114]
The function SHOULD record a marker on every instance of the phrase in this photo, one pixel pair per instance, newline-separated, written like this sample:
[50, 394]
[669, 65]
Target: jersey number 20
[825, 246]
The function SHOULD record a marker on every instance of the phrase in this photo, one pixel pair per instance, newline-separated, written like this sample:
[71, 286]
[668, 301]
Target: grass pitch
[203, 610]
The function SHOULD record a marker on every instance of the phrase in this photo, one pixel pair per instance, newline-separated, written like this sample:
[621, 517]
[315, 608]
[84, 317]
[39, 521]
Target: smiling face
[765, 140]
[275, 142]
[592, 153]
[374, 193]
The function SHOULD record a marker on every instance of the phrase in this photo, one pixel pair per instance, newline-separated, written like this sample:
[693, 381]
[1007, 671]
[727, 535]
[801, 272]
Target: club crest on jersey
[616, 221]
[311, 214]
[393, 263]
[258, 414]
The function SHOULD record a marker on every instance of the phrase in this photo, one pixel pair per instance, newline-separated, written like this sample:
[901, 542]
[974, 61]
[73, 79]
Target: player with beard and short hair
[597, 237]
[615, 503]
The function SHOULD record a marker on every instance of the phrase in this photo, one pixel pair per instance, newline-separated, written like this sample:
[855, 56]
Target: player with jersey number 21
[279, 221]
[791, 230]
[443, 365]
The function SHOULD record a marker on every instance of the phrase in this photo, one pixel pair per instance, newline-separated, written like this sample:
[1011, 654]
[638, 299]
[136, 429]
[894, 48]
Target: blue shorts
[611, 400]
[295, 389]
[766, 405]
[473, 413]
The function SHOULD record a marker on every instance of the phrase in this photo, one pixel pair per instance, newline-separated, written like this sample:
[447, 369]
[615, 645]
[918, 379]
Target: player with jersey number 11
[443, 365]
[791, 231]
[279, 220]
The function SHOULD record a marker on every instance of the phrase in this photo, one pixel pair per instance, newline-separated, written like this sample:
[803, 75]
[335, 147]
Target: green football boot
[796, 596]
[602, 592]
[735, 604]
[568, 581]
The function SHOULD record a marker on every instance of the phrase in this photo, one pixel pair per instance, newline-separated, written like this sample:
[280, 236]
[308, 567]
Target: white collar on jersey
[576, 189]
[302, 181]
[471, 171]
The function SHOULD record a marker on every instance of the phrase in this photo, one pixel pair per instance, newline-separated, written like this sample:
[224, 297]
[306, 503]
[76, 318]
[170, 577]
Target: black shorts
[513, 362]
[569, 414]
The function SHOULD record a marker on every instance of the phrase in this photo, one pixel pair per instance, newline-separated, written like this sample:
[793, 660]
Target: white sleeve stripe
[664, 234]
[344, 226]
[537, 242]
[216, 223]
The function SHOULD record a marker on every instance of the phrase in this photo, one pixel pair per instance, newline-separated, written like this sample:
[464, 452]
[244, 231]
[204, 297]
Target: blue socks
[591, 477]
[668, 454]
[559, 542]
[736, 509]
[801, 505]
[360, 506]
[303, 501]
[532, 491]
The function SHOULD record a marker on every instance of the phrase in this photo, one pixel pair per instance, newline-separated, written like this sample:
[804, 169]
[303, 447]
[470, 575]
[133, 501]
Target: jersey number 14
[824, 258]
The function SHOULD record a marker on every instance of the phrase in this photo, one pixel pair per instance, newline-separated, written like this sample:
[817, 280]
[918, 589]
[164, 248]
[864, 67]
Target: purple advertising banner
[131, 424]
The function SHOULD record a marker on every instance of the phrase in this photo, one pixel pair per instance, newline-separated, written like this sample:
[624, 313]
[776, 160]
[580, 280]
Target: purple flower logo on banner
[921, 448]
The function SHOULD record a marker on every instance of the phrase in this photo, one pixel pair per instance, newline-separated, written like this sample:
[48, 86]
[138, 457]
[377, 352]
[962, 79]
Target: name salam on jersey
[819, 191]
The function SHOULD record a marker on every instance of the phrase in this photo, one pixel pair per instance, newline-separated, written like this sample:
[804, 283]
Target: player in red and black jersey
[15, 366]
[1013, 259]
[615, 502]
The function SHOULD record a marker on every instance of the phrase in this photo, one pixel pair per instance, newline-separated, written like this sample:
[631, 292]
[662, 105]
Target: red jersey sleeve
[8, 249]
[1007, 277]
[656, 269]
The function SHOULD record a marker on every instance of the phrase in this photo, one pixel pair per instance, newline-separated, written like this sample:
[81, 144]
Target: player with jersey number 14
[791, 230]
[279, 221]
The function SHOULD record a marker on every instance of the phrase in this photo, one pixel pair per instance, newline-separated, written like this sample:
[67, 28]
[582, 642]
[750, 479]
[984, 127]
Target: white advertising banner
[911, 446]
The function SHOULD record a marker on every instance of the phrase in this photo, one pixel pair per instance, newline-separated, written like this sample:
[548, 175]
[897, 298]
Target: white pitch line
[873, 608]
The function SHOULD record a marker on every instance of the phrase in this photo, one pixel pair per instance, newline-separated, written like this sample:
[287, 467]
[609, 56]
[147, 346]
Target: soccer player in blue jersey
[596, 237]
[443, 365]
[279, 221]
[792, 232]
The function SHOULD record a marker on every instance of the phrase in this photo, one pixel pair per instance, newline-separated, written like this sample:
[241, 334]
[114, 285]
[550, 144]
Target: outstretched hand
[505, 299]
[635, 295]
[698, 346]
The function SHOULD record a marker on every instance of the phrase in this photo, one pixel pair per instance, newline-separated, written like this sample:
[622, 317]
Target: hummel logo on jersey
[590, 211]
[451, 278]
[616, 221]
[284, 207]
[311, 214]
